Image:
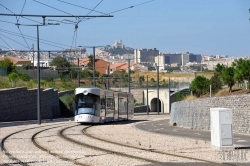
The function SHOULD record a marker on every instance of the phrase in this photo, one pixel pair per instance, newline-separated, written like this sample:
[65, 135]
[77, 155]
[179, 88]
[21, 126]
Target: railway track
[84, 131]
[51, 152]
[7, 152]
[105, 150]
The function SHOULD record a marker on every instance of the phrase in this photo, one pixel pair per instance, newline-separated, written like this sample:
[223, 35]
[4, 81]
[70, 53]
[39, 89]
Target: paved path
[19, 123]
[163, 127]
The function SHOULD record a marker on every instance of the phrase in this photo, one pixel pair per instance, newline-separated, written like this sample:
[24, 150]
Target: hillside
[187, 77]
[112, 51]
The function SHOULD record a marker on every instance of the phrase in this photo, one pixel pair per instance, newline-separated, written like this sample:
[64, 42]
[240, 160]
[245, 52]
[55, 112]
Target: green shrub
[43, 83]
[34, 80]
[68, 100]
[25, 77]
[30, 84]
[49, 79]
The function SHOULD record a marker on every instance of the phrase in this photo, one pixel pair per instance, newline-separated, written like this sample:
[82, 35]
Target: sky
[207, 27]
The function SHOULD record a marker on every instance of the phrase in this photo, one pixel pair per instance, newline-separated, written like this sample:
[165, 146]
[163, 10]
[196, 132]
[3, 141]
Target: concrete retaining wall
[195, 114]
[138, 93]
[141, 109]
[68, 92]
[21, 104]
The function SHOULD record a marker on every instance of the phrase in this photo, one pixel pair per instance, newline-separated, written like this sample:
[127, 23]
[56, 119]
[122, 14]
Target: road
[163, 127]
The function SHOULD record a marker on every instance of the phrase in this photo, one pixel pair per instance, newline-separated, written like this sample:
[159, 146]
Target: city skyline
[207, 27]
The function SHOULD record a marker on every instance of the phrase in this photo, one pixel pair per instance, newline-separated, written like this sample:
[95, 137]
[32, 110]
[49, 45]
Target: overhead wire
[17, 19]
[79, 20]
[19, 27]
[124, 8]
[8, 22]
[5, 42]
[62, 21]
[92, 9]
[73, 39]
[40, 42]
[29, 38]
[14, 41]
[76, 37]
[76, 25]
[53, 7]
[4, 47]
[14, 33]
[21, 11]
[80, 6]
[21, 16]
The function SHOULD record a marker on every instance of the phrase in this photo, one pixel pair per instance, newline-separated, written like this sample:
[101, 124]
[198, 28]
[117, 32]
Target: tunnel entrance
[153, 104]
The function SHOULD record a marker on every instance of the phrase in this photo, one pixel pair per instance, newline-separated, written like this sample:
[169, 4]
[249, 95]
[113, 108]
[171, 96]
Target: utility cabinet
[221, 127]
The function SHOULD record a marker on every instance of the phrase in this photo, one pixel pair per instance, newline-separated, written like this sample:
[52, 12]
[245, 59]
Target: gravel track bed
[81, 154]
[21, 147]
[121, 149]
[3, 133]
[175, 145]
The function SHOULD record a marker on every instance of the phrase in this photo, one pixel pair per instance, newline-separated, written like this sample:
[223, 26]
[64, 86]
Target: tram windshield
[86, 104]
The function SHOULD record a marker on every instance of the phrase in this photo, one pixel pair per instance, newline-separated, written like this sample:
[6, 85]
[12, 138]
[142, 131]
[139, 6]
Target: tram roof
[97, 91]
[86, 90]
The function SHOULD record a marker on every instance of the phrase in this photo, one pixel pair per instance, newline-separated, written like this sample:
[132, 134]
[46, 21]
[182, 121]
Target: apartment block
[145, 55]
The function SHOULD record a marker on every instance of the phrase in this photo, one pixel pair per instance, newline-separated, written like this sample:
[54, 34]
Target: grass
[57, 84]
[222, 92]
[190, 97]
[165, 76]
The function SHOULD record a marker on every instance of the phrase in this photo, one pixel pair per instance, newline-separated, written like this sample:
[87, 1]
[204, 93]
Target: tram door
[116, 102]
[122, 108]
[110, 106]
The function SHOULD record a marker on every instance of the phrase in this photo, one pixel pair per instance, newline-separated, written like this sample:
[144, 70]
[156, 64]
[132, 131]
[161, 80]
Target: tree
[242, 70]
[200, 85]
[215, 83]
[60, 62]
[90, 64]
[141, 80]
[219, 69]
[8, 64]
[228, 77]
[13, 77]
[120, 75]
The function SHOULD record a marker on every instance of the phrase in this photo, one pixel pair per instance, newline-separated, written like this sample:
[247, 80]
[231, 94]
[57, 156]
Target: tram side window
[103, 103]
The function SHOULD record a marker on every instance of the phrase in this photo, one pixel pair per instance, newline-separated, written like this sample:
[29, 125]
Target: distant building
[118, 44]
[17, 61]
[221, 56]
[117, 66]
[176, 59]
[43, 62]
[101, 66]
[189, 57]
[145, 55]
[124, 66]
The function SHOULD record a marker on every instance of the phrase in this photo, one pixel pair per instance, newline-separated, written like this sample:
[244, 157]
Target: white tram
[95, 105]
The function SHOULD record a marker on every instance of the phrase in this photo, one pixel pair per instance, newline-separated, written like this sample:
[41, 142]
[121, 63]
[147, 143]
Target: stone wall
[21, 104]
[195, 114]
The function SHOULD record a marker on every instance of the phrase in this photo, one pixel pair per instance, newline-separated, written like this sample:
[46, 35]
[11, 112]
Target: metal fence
[43, 73]
[3, 71]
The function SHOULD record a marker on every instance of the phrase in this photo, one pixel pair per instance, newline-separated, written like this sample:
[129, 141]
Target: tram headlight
[85, 92]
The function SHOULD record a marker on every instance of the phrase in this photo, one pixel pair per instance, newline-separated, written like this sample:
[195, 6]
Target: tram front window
[86, 104]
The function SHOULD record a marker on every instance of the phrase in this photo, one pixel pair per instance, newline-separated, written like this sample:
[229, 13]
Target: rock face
[195, 114]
